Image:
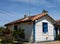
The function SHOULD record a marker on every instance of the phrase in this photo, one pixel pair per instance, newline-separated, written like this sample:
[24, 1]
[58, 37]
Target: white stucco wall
[28, 30]
[39, 35]
[11, 27]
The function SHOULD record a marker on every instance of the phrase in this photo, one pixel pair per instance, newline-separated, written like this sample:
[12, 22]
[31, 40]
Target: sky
[11, 10]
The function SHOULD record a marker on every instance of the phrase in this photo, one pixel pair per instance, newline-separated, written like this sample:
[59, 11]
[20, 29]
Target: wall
[39, 35]
[28, 30]
[11, 27]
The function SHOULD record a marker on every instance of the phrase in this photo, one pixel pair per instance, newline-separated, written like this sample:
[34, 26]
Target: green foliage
[1, 31]
[7, 38]
[7, 35]
[19, 33]
[58, 37]
[1, 27]
[7, 31]
[7, 42]
[22, 35]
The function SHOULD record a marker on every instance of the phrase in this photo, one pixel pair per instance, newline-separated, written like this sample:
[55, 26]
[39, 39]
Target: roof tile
[30, 18]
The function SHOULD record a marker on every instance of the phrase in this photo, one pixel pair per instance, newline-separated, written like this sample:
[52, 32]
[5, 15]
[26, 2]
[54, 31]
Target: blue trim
[45, 27]
[34, 31]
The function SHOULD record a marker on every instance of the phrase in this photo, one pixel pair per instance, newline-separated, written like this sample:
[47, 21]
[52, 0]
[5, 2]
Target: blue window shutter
[45, 27]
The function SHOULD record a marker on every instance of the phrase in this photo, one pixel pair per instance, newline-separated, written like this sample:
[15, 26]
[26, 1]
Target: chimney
[45, 11]
[25, 16]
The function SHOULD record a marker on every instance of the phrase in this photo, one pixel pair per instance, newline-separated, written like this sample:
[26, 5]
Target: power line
[6, 12]
[1, 19]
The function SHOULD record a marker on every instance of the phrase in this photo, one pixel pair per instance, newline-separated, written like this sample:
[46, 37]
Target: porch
[57, 27]
[57, 31]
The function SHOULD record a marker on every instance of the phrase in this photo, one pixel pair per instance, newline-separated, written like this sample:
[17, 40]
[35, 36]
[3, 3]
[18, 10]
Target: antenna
[29, 7]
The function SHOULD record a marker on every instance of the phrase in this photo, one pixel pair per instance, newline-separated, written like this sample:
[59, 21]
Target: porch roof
[57, 22]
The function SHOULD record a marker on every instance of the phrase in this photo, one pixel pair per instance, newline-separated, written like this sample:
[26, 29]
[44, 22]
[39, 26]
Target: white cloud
[27, 1]
[44, 3]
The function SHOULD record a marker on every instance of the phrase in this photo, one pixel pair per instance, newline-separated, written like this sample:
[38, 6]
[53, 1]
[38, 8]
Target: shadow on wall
[29, 35]
[28, 30]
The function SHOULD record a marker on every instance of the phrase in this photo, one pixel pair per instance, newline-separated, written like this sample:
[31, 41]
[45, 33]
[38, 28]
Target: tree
[7, 35]
[1, 27]
[7, 31]
[1, 31]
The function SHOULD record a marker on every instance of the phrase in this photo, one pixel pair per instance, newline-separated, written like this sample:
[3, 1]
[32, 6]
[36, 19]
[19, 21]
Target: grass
[7, 43]
[11, 43]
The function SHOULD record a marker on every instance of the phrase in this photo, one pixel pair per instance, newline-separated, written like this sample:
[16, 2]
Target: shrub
[7, 38]
[1, 31]
[7, 35]
[58, 37]
[19, 34]
[7, 31]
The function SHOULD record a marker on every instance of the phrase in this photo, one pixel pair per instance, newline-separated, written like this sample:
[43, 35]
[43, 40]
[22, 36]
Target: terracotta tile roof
[28, 19]
[57, 22]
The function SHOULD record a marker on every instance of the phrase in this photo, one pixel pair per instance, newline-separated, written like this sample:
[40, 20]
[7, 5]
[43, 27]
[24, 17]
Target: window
[45, 27]
[15, 27]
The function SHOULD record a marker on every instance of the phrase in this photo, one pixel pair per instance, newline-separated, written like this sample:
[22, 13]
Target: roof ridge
[29, 18]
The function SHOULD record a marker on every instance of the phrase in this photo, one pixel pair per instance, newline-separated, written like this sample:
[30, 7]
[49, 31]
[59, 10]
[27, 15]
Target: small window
[45, 27]
[15, 27]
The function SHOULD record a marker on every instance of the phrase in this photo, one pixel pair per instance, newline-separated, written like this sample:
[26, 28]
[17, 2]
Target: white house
[40, 27]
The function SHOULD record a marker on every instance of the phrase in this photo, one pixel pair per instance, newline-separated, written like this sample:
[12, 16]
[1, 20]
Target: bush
[58, 37]
[1, 31]
[7, 35]
[7, 31]
[19, 34]
[7, 38]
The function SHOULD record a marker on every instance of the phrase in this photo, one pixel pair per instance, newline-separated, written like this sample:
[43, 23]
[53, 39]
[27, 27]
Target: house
[40, 27]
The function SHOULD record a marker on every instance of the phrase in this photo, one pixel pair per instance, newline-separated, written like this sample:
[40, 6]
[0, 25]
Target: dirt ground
[53, 42]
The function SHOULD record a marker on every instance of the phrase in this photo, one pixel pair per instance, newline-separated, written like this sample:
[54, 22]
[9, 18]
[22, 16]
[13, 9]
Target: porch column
[58, 31]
